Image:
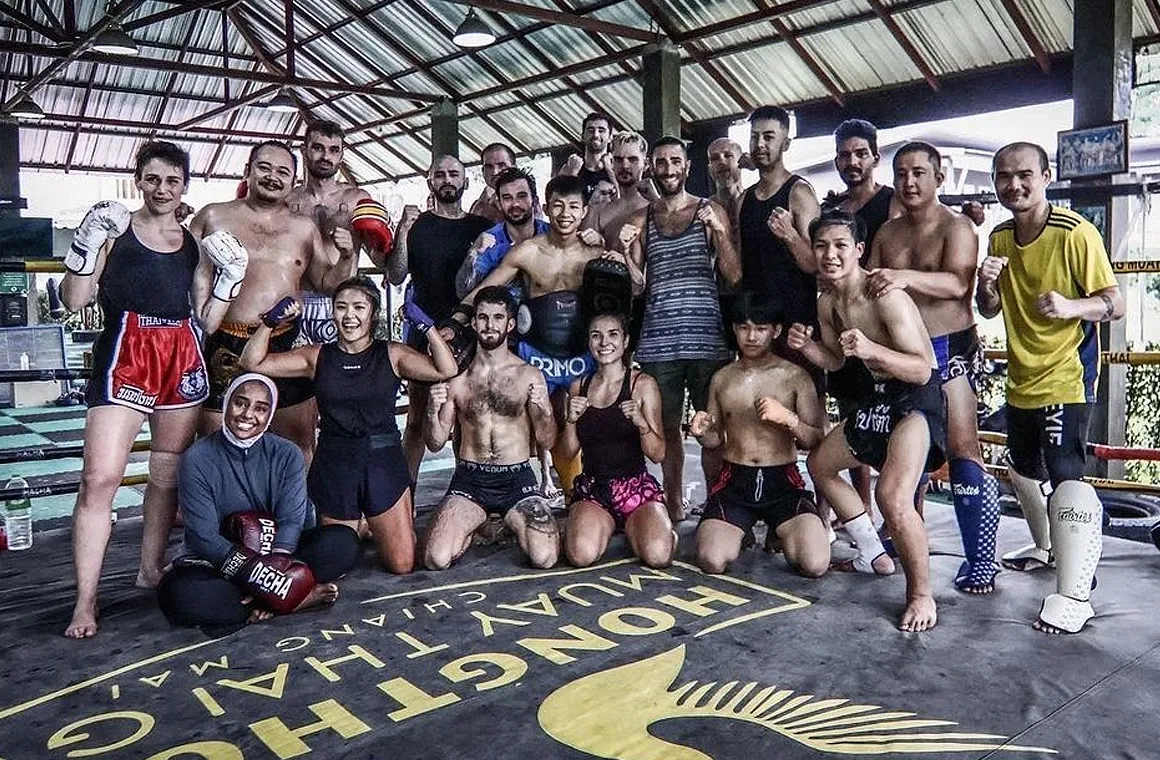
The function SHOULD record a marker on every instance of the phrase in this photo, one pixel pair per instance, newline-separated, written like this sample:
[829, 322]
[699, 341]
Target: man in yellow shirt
[1048, 272]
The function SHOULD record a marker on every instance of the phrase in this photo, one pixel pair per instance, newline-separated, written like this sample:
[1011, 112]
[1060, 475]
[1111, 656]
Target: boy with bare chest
[492, 404]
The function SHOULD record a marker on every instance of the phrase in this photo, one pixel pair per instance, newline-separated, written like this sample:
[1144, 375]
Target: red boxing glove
[253, 530]
[277, 582]
[372, 223]
[243, 189]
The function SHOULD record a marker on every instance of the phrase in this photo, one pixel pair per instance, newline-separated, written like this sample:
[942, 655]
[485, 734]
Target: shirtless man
[255, 251]
[725, 170]
[603, 223]
[761, 407]
[492, 405]
[494, 160]
[555, 337]
[931, 252]
[898, 429]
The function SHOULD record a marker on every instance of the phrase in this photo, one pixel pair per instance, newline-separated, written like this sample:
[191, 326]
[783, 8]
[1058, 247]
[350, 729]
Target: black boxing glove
[277, 582]
[461, 343]
[254, 530]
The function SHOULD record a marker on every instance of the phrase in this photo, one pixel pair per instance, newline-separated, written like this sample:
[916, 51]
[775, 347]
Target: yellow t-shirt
[1051, 361]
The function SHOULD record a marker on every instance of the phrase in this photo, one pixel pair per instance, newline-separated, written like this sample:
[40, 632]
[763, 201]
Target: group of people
[581, 339]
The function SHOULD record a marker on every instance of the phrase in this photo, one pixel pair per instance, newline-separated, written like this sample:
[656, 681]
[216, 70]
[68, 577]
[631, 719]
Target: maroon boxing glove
[243, 189]
[370, 221]
[277, 582]
[253, 530]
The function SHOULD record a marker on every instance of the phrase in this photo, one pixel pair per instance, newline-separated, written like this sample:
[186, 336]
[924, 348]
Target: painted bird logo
[608, 714]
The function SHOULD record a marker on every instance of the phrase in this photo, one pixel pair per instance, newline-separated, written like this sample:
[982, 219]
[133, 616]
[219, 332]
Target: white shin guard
[1032, 495]
[1077, 536]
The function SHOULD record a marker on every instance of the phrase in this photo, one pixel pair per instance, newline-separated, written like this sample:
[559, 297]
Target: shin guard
[976, 498]
[1077, 537]
[869, 546]
[1032, 495]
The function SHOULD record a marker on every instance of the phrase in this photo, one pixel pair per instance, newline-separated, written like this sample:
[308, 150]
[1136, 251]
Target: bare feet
[323, 593]
[880, 565]
[83, 624]
[1043, 627]
[920, 615]
[148, 578]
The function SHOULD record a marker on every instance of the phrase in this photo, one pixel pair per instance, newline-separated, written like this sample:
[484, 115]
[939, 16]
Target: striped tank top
[682, 316]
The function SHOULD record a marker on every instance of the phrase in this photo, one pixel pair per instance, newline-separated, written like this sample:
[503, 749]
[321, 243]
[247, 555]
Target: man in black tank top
[856, 156]
[775, 215]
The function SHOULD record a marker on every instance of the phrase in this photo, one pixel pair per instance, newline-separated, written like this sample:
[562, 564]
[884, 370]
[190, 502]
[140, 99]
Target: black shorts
[352, 478]
[495, 488]
[869, 427]
[743, 495]
[222, 350]
[1048, 443]
[850, 385]
[959, 354]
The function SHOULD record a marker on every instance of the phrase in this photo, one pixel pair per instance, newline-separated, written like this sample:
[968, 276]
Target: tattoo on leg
[537, 514]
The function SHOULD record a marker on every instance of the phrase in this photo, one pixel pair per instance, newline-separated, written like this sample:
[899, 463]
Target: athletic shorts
[674, 378]
[958, 354]
[223, 348]
[620, 497]
[1048, 443]
[317, 320]
[495, 488]
[147, 363]
[869, 428]
[558, 372]
[849, 385]
[744, 495]
[349, 479]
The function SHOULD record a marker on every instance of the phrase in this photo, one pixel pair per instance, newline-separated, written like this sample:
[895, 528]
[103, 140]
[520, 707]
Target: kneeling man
[760, 407]
[242, 493]
[492, 404]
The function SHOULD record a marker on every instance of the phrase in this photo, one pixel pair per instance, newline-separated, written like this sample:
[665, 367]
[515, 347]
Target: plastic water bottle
[18, 517]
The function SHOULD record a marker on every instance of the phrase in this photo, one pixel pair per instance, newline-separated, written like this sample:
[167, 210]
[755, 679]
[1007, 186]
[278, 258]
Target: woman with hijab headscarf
[250, 550]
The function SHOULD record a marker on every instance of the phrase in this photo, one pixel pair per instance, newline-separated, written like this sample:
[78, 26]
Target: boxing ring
[493, 660]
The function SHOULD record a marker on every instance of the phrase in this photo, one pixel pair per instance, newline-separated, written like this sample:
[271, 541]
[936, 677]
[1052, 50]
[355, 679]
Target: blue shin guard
[976, 498]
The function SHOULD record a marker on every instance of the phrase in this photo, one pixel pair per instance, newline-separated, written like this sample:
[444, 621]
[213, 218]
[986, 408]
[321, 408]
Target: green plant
[1142, 427]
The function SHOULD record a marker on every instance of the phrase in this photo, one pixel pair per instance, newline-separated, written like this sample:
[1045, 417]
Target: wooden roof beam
[905, 43]
[1029, 37]
[560, 17]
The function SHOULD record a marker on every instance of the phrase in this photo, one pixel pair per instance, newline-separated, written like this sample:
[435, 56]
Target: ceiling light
[25, 108]
[282, 103]
[115, 40]
[473, 33]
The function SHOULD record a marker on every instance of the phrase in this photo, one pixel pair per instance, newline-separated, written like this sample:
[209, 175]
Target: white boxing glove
[230, 259]
[105, 220]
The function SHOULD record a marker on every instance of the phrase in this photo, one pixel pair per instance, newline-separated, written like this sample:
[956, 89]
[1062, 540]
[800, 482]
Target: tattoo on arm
[1109, 307]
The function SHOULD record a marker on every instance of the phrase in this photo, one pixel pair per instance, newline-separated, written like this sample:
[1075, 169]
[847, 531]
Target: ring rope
[44, 453]
[1105, 483]
[1134, 358]
[1100, 450]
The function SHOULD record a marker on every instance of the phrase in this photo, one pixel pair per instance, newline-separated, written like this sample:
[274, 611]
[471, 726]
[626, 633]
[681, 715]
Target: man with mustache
[680, 242]
[603, 223]
[431, 247]
[492, 404]
[254, 252]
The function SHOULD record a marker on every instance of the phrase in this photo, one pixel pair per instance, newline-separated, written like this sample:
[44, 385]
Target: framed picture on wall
[1093, 151]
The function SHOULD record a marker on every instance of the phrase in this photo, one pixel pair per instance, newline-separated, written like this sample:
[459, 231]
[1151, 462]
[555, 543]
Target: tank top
[682, 314]
[873, 214]
[148, 282]
[609, 442]
[356, 393]
[767, 266]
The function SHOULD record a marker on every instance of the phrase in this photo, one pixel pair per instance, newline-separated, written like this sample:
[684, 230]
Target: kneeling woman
[358, 468]
[614, 419]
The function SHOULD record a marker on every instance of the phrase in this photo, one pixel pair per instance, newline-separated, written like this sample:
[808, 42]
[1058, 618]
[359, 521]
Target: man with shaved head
[431, 246]
[725, 170]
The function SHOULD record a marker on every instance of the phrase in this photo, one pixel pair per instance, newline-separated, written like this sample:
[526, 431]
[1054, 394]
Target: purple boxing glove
[283, 311]
[417, 317]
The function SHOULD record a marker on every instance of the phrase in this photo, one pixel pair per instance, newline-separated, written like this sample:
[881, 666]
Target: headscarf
[237, 383]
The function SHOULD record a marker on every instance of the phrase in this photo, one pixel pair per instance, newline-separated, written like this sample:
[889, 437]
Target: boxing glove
[462, 342]
[277, 582]
[230, 260]
[371, 222]
[415, 315]
[254, 530]
[243, 189]
[105, 220]
[283, 311]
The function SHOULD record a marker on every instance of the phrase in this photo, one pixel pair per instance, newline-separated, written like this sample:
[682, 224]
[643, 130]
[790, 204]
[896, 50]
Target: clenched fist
[799, 335]
[854, 343]
[437, 396]
[990, 270]
[702, 423]
[577, 405]
[538, 395]
[774, 412]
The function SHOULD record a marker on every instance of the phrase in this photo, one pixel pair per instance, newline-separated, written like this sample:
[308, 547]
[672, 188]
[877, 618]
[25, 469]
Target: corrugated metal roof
[101, 109]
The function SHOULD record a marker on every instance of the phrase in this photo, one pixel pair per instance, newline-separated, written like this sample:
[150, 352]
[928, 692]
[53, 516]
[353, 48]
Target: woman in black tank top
[614, 419]
[358, 471]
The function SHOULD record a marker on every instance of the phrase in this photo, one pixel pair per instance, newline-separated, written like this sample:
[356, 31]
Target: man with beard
[276, 251]
[931, 252]
[774, 218]
[685, 241]
[596, 164]
[494, 161]
[331, 204]
[431, 247]
[492, 405]
[515, 191]
[603, 223]
[553, 335]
